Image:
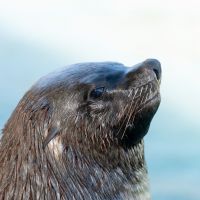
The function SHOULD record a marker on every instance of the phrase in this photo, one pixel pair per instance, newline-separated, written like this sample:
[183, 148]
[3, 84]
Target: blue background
[39, 37]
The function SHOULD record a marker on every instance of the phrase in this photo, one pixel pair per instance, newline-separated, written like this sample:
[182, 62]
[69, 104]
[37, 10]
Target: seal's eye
[97, 92]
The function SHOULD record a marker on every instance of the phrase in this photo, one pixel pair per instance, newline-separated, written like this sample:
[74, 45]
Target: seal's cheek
[100, 110]
[110, 109]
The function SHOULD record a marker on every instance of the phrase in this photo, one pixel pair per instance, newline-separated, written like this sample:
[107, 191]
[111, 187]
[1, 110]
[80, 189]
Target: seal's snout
[149, 66]
[154, 65]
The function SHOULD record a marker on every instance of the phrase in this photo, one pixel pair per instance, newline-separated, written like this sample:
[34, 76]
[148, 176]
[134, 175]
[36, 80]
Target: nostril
[154, 65]
[157, 73]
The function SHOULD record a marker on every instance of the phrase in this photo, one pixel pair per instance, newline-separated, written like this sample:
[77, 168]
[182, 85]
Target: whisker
[129, 112]
[127, 106]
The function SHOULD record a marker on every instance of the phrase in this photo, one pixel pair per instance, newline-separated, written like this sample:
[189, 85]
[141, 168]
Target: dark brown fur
[62, 143]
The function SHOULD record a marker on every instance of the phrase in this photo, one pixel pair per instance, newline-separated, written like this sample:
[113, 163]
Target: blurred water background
[39, 36]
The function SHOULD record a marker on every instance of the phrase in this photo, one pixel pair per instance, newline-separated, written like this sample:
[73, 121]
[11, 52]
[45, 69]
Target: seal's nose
[154, 65]
[145, 67]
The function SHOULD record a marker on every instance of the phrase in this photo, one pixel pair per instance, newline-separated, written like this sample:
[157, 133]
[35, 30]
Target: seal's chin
[137, 129]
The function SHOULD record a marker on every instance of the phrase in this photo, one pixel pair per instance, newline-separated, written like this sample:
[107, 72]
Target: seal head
[108, 99]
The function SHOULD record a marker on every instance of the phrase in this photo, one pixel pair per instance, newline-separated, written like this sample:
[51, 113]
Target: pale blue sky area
[41, 36]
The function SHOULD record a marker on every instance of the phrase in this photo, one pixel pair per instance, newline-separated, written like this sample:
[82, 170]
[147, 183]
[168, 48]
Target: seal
[78, 134]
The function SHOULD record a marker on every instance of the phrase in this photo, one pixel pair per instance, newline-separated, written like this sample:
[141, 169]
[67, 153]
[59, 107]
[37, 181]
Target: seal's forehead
[106, 73]
[92, 73]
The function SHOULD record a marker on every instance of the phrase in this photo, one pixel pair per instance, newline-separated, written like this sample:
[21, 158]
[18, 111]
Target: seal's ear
[51, 129]
[40, 115]
[52, 133]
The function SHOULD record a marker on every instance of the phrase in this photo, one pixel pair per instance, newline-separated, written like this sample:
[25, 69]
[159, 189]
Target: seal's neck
[118, 174]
